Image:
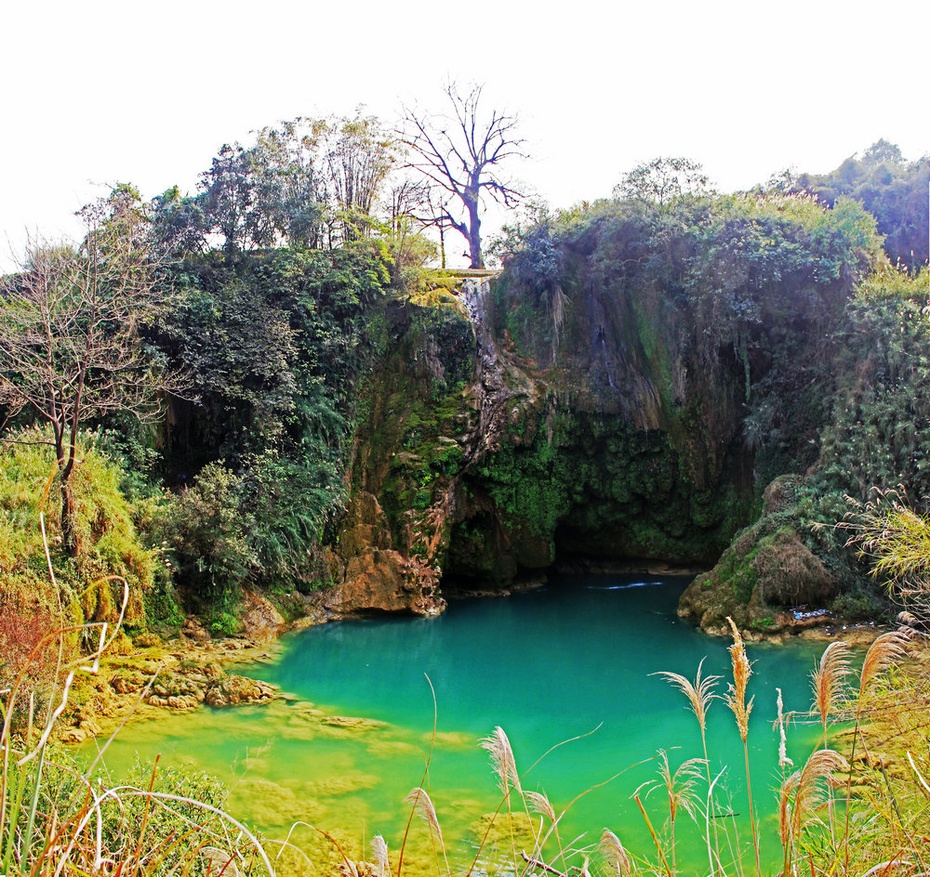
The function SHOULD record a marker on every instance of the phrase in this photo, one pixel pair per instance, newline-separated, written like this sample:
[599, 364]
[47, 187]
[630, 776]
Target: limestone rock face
[768, 581]
[261, 621]
[483, 459]
[376, 577]
[188, 684]
[378, 580]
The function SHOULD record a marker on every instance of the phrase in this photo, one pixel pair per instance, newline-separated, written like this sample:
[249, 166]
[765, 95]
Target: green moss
[417, 405]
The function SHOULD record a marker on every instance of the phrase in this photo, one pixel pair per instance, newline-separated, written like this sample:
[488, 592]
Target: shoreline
[149, 677]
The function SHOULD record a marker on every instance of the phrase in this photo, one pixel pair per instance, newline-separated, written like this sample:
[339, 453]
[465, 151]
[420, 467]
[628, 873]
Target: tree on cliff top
[461, 154]
[662, 180]
[70, 342]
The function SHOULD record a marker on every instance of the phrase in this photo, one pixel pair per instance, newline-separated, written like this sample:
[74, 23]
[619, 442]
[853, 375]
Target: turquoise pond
[572, 660]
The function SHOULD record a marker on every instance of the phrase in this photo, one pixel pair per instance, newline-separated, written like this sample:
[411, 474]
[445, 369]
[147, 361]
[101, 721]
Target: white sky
[102, 91]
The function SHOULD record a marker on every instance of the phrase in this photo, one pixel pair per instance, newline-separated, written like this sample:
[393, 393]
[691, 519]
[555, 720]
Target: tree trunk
[69, 538]
[474, 234]
[66, 462]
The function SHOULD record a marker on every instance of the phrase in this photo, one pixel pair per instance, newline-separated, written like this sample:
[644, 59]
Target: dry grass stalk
[502, 759]
[679, 785]
[680, 791]
[666, 867]
[700, 693]
[614, 854]
[802, 793]
[736, 700]
[818, 772]
[541, 805]
[379, 852]
[742, 670]
[887, 650]
[829, 681]
[420, 800]
[785, 793]
[783, 760]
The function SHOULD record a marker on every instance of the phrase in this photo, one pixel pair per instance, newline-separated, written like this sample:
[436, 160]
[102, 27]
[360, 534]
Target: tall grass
[58, 818]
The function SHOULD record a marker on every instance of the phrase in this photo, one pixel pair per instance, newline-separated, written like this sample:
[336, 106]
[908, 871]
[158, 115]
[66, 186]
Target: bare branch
[460, 154]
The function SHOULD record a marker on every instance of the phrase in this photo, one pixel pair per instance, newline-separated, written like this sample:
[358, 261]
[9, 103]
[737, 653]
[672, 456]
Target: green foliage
[308, 183]
[894, 540]
[272, 344]
[708, 306]
[892, 189]
[662, 181]
[874, 438]
[291, 503]
[208, 532]
[531, 254]
[530, 486]
[878, 435]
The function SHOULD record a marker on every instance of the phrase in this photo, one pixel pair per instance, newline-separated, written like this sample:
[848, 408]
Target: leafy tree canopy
[891, 188]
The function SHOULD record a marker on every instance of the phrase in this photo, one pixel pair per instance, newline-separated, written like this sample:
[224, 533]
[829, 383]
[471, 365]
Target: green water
[572, 660]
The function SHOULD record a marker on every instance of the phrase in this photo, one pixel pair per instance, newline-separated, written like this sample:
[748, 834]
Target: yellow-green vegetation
[108, 542]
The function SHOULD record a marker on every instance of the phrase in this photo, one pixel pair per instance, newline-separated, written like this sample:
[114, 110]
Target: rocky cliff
[622, 405]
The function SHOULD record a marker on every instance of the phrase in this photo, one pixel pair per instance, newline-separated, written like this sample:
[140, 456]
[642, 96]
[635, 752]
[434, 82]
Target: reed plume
[502, 759]
[614, 854]
[829, 684]
[421, 802]
[541, 805]
[678, 784]
[828, 681]
[887, 650]
[783, 759]
[821, 766]
[700, 693]
[379, 852]
[801, 793]
[785, 792]
[742, 670]
[679, 788]
[736, 701]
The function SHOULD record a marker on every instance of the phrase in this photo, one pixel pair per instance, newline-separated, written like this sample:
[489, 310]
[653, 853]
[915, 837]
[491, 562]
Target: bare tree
[461, 154]
[70, 344]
